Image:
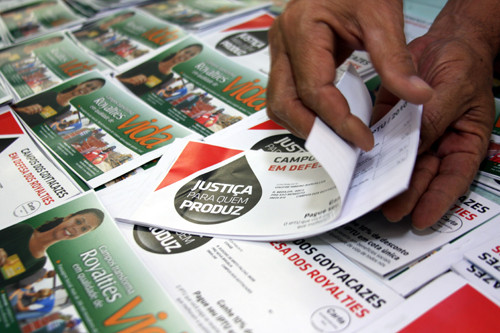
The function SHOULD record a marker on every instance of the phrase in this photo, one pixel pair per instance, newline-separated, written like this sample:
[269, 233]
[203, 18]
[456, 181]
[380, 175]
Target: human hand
[30, 109]
[311, 38]
[134, 80]
[456, 125]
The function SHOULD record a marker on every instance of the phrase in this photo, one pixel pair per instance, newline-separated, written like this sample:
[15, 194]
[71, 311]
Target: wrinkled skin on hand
[312, 38]
[456, 126]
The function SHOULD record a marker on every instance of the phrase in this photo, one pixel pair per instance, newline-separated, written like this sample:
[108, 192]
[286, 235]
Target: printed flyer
[36, 18]
[199, 14]
[245, 41]
[487, 256]
[264, 173]
[385, 247]
[5, 96]
[447, 304]
[488, 284]
[236, 193]
[37, 65]
[197, 86]
[69, 268]
[29, 183]
[99, 131]
[127, 35]
[244, 284]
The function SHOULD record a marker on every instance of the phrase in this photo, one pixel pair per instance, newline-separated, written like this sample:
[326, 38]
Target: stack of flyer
[250, 177]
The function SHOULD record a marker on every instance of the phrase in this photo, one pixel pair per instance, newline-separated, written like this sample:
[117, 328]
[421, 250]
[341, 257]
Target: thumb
[393, 61]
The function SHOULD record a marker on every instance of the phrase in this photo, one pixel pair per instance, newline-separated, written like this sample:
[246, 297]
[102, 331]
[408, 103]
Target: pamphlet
[199, 14]
[481, 280]
[235, 191]
[486, 256]
[99, 131]
[447, 304]
[84, 276]
[385, 247]
[414, 276]
[30, 182]
[35, 18]
[197, 86]
[245, 41]
[5, 96]
[31, 67]
[127, 35]
[243, 284]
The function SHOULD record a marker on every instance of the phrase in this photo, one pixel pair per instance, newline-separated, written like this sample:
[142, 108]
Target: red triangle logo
[267, 125]
[194, 157]
[263, 21]
[9, 124]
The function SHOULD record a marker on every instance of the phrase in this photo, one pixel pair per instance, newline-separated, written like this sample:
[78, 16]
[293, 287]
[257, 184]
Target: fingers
[456, 173]
[391, 57]
[283, 105]
[301, 85]
[426, 168]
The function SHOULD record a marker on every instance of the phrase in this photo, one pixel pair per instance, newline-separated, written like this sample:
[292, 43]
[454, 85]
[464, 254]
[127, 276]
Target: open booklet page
[243, 284]
[70, 265]
[235, 191]
[29, 182]
[97, 130]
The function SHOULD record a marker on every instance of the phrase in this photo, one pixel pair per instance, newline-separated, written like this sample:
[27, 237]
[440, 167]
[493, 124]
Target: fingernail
[418, 228]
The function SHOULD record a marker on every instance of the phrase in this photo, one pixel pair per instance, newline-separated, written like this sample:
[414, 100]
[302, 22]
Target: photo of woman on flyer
[23, 248]
[37, 109]
[149, 75]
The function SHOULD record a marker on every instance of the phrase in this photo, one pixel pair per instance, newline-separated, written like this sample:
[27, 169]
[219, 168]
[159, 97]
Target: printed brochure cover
[29, 183]
[99, 131]
[198, 14]
[37, 65]
[245, 284]
[37, 18]
[245, 41]
[251, 176]
[236, 193]
[127, 35]
[197, 86]
[69, 268]
[385, 247]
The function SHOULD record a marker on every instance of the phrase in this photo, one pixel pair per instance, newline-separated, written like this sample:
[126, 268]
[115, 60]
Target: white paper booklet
[481, 280]
[235, 192]
[237, 286]
[385, 247]
[447, 304]
[29, 182]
